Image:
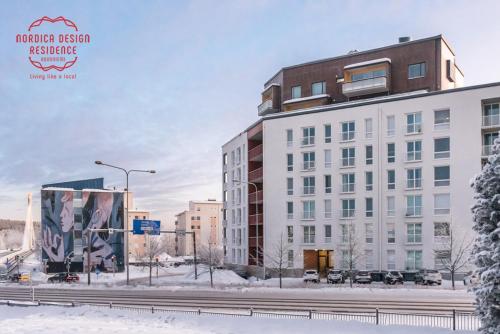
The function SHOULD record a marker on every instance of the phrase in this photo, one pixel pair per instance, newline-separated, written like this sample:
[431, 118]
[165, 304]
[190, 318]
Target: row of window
[236, 156]
[414, 207]
[348, 129]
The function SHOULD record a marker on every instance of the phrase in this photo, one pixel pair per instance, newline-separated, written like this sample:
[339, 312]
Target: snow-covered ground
[51, 319]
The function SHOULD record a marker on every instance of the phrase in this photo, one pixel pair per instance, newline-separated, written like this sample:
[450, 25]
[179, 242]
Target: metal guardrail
[13, 261]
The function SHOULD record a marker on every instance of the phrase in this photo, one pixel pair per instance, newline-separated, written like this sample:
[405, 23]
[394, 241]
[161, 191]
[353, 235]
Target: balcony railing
[414, 211]
[308, 215]
[265, 107]
[255, 154]
[256, 197]
[252, 219]
[308, 190]
[412, 129]
[491, 120]
[347, 162]
[256, 175]
[347, 213]
[308, 165]
[307, 141]
[365, 86]
[348, 187]
[487, 150]
[347, 136]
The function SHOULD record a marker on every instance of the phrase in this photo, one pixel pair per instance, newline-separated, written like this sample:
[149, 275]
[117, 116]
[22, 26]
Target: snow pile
[220, 276]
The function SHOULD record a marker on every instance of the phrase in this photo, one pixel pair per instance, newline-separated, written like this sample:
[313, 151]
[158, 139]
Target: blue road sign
[142, 226]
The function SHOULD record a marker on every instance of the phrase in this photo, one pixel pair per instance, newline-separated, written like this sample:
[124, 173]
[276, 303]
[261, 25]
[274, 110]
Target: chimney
[404, 39]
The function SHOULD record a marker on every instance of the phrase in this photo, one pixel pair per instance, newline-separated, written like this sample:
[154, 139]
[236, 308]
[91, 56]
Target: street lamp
[127, 172]
[256, 223]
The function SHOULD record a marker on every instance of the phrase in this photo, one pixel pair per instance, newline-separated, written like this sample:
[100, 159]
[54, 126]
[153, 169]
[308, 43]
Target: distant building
[137, 243]
[203, 217]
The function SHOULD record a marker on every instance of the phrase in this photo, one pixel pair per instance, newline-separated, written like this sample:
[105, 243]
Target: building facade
[204, 219]
[373, 148]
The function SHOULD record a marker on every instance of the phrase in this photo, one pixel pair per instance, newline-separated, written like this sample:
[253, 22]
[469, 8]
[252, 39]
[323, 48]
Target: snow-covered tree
[486, 248]
[213, 257]
[278, 257]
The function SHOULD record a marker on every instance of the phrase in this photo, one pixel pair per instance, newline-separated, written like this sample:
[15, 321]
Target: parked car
[393, 277]
[14, 277]
[471, 279]
[25, 278]
[363, 277]
[428, 276]
[335, 276]
[311, 276]
[63, 277]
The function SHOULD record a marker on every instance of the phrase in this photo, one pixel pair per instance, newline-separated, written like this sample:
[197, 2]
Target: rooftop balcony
[265, 108]
[365, 87]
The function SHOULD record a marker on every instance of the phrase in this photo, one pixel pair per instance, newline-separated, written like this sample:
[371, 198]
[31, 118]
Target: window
[369, 233]
[442, 259]
[441, 204]
[225, 177]
[309, 159]
[416, 71]
[413, 260]
[347, 232]
[225, 195]
[290, 258]
[328, 133]
[391, 233]
[441, 232]
[289, 137]
[328, 184]
[348, 157]
[308, 136]
[289, 210]
[369, 181]
[414, 178]
[348, 183]
[328, 233]
[414, 233]
[238, 156]
[369, 154]
[391, 126]
[369, 207]
[224, 159]
[414, 150]
[391, 179]
[289, 186]
[368, 259]
[413, 205]
[348, 208]
[391, 206]
[391, 259]
[289, 232]
[309, 234]
[309, 210]
[345, 259]
[442, 119]
[488, 140]
[318, 88]
[289, 162]
[348, 131]
[328, 158]
[368, 128]
[309, 185]
[232, 158]
[328, 208]
[296, 92]
[391, 152]
[441, 148]
[414, 123]
[441, 176]
[238, 216]
[367, 75]
[491, 114]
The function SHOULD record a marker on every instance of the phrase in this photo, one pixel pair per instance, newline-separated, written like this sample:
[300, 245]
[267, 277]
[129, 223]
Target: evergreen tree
[486, 248]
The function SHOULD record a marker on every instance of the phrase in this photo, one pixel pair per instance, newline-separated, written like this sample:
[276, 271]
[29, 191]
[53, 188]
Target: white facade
[464, 131]
[235, 200]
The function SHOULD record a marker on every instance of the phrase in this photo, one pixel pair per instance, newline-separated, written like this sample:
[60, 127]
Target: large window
[328, 133]
[289, 162]
[289, 137]
[328, 184]
[442, 119]
[441, 232]
[309, 159]
[369, 154]
[308, 136]
[391, 259]
[368, 259]
[391, 233]
[224, 159]
[348, 183]
[309, 185]
[391, 126]
[328, 158]
[442, 204]
[369, 207]
[414, 178]
[391, 152]
[414, 233]
[413, 205]
[369, 233]
[441, 176]
[414, 123]
[368, 128]
[414, 150]
[289, 186]
[348, 131]
[488, 140]
[309, 210]
[491, 114]
[413, 259]
[348, 208]
[290, 258]
[328, 208]
[416, 71]
[289, 210]
[309, 234]
[391, 206]
[296, 92]
[368, 75]
[289, 231]
[441, 148]
[347, 232]
[318, 88]
[328, 233]
[369, 181]
[348, 157]
[391, 179]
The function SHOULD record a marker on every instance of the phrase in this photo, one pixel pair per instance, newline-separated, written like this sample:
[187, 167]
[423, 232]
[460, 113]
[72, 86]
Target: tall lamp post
[127, 172]
[256, 224]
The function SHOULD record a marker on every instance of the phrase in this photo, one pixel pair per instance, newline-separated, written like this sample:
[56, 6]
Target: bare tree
[353, 246]
[213, 257]
[278, 257]
[155, 246]
[454, 251]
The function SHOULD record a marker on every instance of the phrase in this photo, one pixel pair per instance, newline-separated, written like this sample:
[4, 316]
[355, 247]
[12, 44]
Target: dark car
[63, 277]
[15, 277]
[393, 277]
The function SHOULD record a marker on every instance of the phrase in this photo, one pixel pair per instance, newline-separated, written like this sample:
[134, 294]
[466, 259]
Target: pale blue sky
[164, 84]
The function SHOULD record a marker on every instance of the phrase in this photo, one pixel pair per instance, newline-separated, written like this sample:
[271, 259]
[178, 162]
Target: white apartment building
[389, 169]
[204, 219]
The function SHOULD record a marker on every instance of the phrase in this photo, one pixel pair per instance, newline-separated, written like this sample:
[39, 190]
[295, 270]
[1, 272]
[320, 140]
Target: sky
[164, 84]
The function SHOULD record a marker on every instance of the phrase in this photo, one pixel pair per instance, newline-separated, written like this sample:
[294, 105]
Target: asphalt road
[270, 300]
